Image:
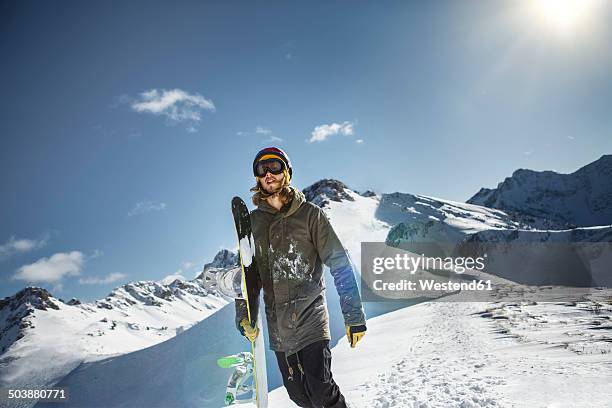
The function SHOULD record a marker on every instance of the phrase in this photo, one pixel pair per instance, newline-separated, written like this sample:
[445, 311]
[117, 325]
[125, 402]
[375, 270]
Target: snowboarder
[293, 241]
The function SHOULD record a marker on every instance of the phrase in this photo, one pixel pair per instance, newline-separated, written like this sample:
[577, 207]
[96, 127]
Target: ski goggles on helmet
[273, 165]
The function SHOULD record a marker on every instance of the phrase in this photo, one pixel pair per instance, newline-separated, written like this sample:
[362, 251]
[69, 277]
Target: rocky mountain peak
[15, 311]
[326, 190]
[551, 200]
[30, 297]
[223, 259]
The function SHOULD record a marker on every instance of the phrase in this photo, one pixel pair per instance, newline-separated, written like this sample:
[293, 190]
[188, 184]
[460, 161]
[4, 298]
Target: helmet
[275, 152]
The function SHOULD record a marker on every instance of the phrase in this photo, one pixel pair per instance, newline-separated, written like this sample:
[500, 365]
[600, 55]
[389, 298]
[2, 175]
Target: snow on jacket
[291, 247]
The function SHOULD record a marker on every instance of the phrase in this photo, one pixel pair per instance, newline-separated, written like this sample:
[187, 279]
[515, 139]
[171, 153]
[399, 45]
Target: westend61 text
[430, 285]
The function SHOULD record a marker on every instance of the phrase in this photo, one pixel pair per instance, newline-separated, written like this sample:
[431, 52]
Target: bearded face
[272, 183]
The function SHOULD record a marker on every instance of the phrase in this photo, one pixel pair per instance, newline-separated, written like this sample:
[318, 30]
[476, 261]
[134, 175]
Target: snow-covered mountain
[421, 218]
[405, 216]
[223, 259]
[42, 338]
[549, 200]
[16, 309]
[326, 190]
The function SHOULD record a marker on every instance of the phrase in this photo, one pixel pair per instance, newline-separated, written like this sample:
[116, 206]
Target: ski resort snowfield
[444, 354]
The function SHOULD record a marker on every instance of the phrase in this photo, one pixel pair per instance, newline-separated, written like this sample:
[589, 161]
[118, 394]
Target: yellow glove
[249, 331]
[355, 333]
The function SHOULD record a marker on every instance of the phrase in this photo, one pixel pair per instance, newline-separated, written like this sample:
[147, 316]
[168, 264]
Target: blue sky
[128, 126]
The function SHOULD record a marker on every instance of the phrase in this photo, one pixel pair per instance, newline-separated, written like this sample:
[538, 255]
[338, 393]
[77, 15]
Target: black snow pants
[308, 379]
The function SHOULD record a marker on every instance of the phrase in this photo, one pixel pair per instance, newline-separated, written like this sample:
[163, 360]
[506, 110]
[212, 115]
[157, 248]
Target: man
[293, 240]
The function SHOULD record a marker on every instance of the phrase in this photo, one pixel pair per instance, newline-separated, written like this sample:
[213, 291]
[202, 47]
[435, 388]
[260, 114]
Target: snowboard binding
[240, 381]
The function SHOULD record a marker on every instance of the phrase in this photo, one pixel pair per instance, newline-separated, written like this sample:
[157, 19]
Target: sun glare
[564, 15]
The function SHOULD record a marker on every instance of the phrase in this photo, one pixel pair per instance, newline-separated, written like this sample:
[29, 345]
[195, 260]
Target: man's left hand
[355, 333]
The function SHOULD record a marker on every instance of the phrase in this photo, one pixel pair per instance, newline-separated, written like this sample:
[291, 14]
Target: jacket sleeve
[334, 256]
[241, 304]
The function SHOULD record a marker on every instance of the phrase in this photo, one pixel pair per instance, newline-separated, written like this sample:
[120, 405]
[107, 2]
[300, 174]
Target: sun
[564, 15]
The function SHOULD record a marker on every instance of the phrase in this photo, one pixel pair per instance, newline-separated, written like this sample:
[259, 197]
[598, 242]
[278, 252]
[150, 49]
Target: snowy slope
[419, 219]
[44, 338]
[432, 218]
[549, 200]
[180, 372]
[449, 354]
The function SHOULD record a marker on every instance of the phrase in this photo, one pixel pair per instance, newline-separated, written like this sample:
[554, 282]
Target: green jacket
[291, 247]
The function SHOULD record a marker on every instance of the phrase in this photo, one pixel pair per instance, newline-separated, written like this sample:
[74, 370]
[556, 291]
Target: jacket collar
[293, 205]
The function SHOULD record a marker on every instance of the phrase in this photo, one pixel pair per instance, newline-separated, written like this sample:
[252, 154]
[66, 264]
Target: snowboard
[246, 246]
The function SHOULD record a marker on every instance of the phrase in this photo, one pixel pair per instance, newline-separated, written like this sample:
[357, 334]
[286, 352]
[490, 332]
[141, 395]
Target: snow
[61, 340]
[355, 221]
[443, 354]
[432, 219]
[181, 371]
[246, 250]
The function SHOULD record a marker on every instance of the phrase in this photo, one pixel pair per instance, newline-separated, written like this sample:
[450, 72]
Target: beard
[273, 189]
[282, 190]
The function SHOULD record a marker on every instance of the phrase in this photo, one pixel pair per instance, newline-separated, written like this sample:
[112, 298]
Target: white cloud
[186, 268]
[175, 104]
[322, 132]
[260, 130]
[146, 206]
[52, 269]
[95, 280]
[16, 246]
[359, 141]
